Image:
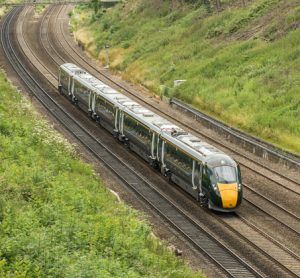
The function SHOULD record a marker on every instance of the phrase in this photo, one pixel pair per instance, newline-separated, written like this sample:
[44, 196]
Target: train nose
[229, 195]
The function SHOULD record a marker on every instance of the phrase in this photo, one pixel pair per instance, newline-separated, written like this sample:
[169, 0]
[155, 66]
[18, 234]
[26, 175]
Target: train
[206, 173]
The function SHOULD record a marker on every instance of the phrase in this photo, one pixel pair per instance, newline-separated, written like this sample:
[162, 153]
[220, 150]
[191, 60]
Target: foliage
[57, 219]
[39, 8]
[235, 61]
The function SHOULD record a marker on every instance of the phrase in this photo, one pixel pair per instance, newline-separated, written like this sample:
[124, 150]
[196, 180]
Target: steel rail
[291, 260]
[290, 157]
[196, 234]
[106, 76]
[259, 194]
[270, 238]
[291, 215]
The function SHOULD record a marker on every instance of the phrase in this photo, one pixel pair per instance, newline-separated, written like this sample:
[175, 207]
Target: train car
[206, 173]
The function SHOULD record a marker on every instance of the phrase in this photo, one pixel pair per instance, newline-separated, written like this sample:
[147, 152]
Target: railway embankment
[56, 216]
[241, 62]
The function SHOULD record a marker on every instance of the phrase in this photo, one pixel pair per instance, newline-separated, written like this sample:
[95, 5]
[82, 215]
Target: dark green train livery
[209, 175]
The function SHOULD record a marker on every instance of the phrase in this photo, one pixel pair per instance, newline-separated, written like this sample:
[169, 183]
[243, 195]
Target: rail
[192, 231]
[251, 143]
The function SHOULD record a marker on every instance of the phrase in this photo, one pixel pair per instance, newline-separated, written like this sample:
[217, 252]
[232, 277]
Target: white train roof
[171, 132]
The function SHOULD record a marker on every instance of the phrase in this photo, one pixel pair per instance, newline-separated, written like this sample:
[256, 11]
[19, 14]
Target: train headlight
[239, 187]
[216, 189]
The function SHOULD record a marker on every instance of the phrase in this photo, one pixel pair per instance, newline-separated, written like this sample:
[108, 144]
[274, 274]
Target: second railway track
[45, 36]
[58, 56]
[225, 259]
[244, 159]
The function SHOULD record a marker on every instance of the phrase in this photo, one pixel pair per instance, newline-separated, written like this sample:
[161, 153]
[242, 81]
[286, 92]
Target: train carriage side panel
[82, 95]
[182, 168]
[106, 113]
[64, 82]
[139, 136]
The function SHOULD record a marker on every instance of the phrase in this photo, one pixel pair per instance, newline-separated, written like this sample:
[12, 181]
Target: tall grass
[241, 64]
[57, 219]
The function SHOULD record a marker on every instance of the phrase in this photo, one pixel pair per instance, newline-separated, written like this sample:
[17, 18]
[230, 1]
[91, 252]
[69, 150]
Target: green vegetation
[56, 217]
[3, 10]
[39, 8]
[241, 64]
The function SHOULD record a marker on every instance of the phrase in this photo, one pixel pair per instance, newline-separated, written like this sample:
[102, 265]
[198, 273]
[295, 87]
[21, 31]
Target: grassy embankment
[57, 219]
[241, 65]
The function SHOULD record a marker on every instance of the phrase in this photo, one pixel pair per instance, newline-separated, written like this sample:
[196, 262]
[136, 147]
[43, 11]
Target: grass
[39, 8]
[57, 219]
[241, 64]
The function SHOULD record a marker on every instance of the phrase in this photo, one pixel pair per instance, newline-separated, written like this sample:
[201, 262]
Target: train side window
[179, 158]
[138, 130]
[105, 107]
[81, 92]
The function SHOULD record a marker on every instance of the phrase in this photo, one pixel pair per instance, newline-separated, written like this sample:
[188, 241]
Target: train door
[197, 191]
[117, 112]
[93, 103]
[70, 84]
[154, 145]
[72, 87]
[90, 101]
[161, 151]
[195, 175]
[119, 121]
[200, 167]
[158, 148]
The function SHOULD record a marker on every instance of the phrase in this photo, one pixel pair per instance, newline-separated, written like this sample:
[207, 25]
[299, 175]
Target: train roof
[189, 143]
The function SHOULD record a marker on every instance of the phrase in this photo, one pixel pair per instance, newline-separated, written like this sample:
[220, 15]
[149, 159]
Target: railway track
[255, 144]
[65, 43]
[281, 219]
[261, 242]
[271, 248]
[193, 231]
[282, 215]
[287, 219]
[254, 166]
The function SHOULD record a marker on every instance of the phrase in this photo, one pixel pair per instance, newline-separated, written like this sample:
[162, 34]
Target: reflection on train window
[105, 107]
[64, 79]
[225, 174]
[138, 130]
[179, 158]
[81, 92]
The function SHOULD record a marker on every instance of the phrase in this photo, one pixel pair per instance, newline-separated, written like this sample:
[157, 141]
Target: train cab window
[179, 158]
[138, 130]
[225, 174]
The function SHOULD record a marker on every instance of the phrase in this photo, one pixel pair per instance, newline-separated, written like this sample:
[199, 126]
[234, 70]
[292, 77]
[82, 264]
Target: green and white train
[209, 175]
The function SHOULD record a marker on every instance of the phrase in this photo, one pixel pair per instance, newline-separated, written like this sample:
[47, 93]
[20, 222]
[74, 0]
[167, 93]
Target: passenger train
[209, 175]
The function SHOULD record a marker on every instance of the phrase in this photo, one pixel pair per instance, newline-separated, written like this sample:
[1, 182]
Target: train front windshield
[225, 174]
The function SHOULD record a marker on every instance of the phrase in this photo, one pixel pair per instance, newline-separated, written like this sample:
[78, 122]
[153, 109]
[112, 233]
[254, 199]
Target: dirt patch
[273, 25]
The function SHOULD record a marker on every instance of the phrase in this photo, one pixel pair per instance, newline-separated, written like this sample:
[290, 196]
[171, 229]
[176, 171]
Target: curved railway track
[272, 249]
[290, 262]
[279, 213]
[294, 186]
[283, 216]
[194, 232]
[263, 237]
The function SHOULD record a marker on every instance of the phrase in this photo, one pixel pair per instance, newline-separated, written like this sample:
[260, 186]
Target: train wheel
[203, 200]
